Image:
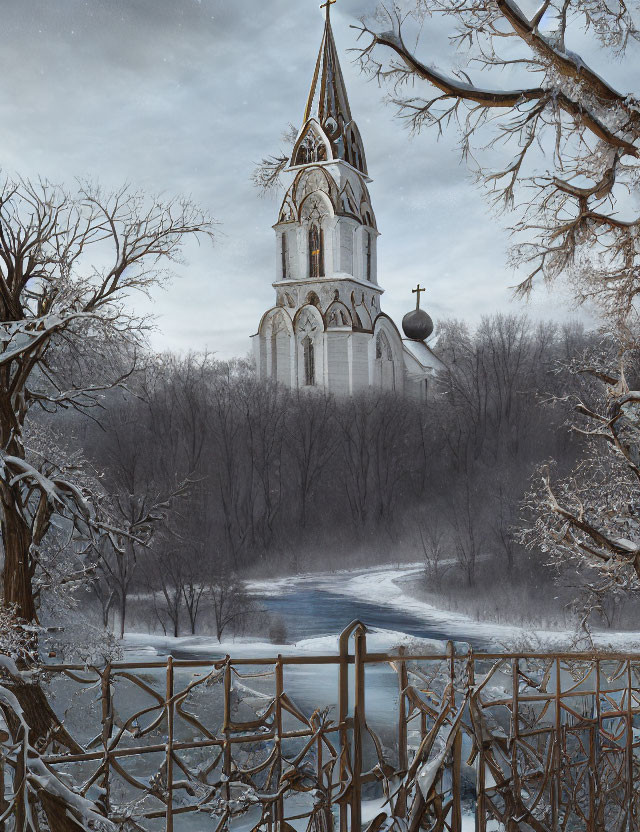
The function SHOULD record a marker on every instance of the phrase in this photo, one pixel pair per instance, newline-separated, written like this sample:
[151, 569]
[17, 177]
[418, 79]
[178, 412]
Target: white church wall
[359, 362]
[338, 362]
[347, 229]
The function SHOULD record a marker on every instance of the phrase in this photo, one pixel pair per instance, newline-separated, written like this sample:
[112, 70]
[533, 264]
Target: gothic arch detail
[338, 315]
[312, 146]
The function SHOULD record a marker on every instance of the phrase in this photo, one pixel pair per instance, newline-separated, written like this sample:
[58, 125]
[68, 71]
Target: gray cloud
[182, 96]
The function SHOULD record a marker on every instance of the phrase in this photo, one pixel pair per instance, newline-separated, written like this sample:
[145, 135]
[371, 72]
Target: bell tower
[326, 230]
[327, 329]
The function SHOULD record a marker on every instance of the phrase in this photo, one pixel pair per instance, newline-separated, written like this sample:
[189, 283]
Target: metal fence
[398, 740]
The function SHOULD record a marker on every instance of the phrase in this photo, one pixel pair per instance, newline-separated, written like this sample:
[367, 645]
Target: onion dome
[417, 325]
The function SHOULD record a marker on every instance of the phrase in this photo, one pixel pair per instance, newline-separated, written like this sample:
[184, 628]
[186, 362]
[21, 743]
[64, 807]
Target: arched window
[367, 253]
[316, 251]
[309, 361]
[285, 256]
[385, 367]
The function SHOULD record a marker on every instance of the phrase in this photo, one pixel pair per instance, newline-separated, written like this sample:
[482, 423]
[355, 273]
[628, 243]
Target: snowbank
[148, 646]
[390, 586]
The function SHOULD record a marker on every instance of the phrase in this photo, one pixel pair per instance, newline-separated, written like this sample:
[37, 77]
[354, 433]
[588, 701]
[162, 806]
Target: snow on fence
[448, 742]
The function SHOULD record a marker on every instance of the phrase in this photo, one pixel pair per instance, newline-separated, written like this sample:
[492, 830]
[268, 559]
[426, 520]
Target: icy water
[309, 612]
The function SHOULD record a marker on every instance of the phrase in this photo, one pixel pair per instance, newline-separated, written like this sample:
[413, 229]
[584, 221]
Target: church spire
[328, 94]
[329, 131]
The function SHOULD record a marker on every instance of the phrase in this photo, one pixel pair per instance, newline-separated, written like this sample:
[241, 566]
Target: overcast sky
[184, 97]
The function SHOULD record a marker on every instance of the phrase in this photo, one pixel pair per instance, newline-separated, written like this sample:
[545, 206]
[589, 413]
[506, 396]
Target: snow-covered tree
[527, 88]
[68, 263]
[592, 517]
[548, 135]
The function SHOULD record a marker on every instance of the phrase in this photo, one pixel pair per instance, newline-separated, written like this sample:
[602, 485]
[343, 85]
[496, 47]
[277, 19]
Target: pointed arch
[367, 215]
[355, 148]
[348, 201]
[386, 361]
[337, 315]
[276, 340]
[385, 366]
[311, 146]
[315, 205]
[309, 338]
[311, 180]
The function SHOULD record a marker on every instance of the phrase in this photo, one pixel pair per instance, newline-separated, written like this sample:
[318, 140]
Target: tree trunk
[123, 613]
[43, 724]
[16, 540]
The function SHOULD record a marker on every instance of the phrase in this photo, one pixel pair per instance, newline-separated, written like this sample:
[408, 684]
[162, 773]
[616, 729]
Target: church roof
[329, 131]
[425, 359]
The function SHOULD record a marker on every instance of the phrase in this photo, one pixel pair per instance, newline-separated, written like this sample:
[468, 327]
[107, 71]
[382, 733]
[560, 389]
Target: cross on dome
[418, 290]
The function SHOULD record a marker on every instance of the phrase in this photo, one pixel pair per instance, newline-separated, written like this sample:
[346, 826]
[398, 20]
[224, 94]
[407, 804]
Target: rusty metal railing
[528, 741]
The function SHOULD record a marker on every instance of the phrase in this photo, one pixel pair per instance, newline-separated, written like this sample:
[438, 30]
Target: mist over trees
[247, 477]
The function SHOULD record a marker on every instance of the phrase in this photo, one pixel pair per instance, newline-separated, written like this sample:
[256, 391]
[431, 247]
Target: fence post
[169, 752]
[557, 752]
[631, 824]
[343, 710]
[107, 725]
[279, 806]
[226, 730]
[481, 816]
[456, 757]
[4, 805]
[400, 808]
[359, 722]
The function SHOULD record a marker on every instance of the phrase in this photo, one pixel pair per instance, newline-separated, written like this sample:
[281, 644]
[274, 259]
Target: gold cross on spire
[417, 290]
[327, 6]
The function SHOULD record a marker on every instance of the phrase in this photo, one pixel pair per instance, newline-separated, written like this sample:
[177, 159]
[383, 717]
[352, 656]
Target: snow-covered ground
[146, 646]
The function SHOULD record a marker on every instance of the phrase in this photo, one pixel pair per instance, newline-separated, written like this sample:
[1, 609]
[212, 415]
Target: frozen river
[314, 607]
[311, 609]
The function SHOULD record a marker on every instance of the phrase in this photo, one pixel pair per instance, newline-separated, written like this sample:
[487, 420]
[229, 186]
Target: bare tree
[311, 443]
[434, 550]
[464, 513]
[591, 518]
[230, 603]
[53, 300]
[62, 320]
[558, 103]
[165, 575]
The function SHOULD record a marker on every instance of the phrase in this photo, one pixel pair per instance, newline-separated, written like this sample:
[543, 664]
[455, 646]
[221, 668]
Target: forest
[232, 477]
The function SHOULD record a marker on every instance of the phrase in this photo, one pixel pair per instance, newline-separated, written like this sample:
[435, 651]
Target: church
[327, 328]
